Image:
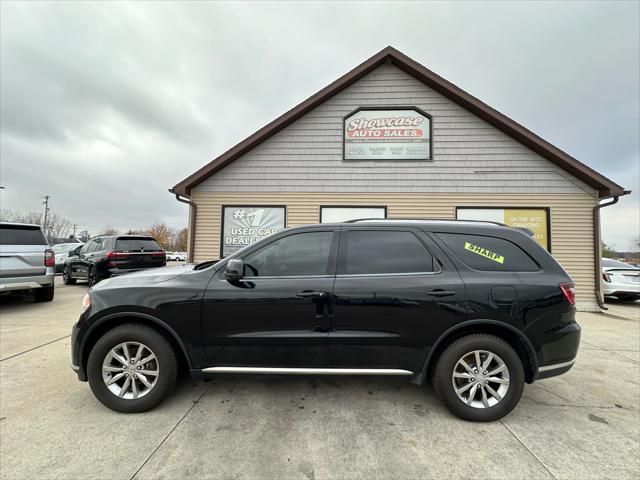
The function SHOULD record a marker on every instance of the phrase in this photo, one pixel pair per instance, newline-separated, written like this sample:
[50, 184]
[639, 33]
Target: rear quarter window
[490, 254]
[17, 235]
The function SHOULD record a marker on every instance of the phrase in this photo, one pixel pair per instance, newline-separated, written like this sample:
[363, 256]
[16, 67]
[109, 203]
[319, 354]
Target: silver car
[61, 251]
[26, 261]
[620, 280]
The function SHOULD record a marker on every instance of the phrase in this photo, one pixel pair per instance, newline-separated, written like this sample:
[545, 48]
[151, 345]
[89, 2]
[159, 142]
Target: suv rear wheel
[44, 294]
[92, 276]
[132, 368]
[479, 378]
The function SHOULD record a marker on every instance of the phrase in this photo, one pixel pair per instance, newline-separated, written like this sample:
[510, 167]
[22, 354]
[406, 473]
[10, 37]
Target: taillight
[113, 256]
[49, 258]
[569, 292]
[159, 254]
[606, 277]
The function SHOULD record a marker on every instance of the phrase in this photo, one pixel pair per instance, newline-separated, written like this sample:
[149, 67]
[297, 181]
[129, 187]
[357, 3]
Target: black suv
[476, 308]
[106, 256]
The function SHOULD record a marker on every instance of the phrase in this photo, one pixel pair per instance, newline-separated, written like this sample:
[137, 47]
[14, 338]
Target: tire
[66, 277]
[44, 294]
[493, 409]
[92, 276]
[165, 365]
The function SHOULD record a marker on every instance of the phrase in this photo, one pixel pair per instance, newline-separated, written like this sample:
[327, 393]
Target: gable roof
[604, 186]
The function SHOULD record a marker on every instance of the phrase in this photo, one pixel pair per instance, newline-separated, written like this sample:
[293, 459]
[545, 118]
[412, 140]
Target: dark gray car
[26, 261]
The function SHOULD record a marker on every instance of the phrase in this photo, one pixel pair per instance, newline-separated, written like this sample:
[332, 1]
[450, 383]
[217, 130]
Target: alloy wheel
[93, 277]
[480, 379]
[130, 370]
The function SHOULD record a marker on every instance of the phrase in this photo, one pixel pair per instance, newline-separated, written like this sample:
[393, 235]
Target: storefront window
[343, 214]
[535, 219]
[245, 225]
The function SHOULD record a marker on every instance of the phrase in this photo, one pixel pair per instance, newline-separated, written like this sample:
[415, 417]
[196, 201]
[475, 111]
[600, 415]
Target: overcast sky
[105, 106]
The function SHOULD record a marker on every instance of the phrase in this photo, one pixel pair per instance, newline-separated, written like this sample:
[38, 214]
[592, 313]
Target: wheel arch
[506, 332]
[111, 321]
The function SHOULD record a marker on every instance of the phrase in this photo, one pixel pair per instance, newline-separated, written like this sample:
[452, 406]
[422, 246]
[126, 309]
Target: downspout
[596, 247]
[192, 225]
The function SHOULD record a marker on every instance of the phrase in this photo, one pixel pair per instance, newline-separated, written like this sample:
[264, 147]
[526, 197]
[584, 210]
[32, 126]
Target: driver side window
[294, 255]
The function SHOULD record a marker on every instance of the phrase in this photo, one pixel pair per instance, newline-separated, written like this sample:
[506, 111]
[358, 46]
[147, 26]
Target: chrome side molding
[309, 371]
[546, 368]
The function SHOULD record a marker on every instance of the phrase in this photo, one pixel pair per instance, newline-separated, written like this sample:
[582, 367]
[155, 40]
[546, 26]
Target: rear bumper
[558, 353]
[617, 288]
[28, 283]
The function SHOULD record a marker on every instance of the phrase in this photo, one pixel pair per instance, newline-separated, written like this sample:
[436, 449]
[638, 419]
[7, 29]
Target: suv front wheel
[132, 368]
[479, 378]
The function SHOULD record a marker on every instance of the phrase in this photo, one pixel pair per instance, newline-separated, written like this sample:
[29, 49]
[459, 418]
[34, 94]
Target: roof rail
[525, 230]
[417, 220]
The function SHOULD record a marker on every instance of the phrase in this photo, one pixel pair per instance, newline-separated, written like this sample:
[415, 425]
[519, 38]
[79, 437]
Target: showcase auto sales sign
[387, 135]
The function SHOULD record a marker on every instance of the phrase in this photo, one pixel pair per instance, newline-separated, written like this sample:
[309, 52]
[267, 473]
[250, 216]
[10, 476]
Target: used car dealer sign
[383, 134]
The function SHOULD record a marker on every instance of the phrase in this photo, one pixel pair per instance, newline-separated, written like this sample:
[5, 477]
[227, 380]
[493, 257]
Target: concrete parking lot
[585, 424]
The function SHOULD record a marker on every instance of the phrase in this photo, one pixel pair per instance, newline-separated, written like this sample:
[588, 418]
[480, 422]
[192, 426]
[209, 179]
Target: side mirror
[234, 270]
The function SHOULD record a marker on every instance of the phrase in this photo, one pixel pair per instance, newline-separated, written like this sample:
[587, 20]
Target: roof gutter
[192, 224]
[596, 246]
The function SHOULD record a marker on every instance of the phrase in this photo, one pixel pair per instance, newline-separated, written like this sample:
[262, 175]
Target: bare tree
[57, 226]
[180, 240]
[110, 231]
[162, 233]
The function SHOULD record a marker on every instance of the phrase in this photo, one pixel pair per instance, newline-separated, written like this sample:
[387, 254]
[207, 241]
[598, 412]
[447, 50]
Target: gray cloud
[106, 105]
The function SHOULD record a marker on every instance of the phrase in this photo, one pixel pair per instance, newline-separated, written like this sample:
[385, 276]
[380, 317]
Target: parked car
[478, 308]
[26, 261]
[620, 280]
[177, 256]
[61, 251]
[106, 256]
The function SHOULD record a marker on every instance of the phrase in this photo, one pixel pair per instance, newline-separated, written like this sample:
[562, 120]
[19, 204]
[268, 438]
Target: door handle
[438, 292]
[311, 294]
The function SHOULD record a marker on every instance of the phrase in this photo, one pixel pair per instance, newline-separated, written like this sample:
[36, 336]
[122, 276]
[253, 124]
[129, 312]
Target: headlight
[86, 302]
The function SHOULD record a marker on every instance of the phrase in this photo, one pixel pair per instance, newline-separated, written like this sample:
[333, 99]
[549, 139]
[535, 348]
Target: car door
[395, 292]
[78, 264]
[278, 314]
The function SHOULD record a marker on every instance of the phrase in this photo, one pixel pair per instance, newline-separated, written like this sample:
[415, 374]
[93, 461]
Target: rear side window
[489, 253]
[137, 245]
[17, 235]
[369, 252]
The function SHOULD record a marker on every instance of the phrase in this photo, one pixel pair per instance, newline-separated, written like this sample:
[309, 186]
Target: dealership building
[392, 139]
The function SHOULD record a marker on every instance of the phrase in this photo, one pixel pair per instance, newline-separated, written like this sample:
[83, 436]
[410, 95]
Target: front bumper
[28, 283]
[76, 361]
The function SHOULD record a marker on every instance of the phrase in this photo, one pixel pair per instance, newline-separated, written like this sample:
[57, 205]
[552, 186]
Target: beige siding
[572, 231]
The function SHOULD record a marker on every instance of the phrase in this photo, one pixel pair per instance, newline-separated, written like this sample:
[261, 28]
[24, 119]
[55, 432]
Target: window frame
[331, 262]
[342, 253]
[384, 207]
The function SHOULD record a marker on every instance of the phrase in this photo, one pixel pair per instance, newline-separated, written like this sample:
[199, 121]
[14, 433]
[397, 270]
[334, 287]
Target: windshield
[64, 247]
[608, 263]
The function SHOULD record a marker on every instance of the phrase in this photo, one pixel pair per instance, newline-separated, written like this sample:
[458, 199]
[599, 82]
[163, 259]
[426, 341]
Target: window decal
[484, 252]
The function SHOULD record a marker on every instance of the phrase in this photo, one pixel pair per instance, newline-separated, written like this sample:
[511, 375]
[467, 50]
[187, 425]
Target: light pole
[45, 202]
